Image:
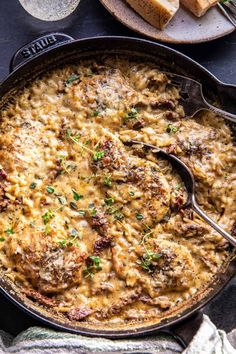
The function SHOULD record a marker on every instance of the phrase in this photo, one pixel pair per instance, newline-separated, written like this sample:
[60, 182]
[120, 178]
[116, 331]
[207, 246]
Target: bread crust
[154, 11]
[198, 7]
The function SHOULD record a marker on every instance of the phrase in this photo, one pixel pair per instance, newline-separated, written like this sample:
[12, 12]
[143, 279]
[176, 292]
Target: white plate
[183, 28]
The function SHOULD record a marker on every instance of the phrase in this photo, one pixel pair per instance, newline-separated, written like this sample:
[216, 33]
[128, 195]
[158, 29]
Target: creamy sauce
[92, 228]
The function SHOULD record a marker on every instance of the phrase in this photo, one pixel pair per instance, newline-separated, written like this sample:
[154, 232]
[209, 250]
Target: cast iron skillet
[58, 49]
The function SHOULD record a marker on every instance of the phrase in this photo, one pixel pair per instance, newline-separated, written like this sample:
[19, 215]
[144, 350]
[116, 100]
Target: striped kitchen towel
[37, 340]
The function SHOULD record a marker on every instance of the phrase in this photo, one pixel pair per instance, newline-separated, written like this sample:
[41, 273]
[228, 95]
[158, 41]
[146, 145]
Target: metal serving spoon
[228, 9]
[189, 182]
[192, 97]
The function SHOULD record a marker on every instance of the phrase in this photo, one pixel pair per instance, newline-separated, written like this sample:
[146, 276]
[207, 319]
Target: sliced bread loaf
[198, 7]
[157, 12]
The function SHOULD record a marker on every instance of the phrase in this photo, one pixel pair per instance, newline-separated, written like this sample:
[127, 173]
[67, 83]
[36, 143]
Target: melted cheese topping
[95, 229]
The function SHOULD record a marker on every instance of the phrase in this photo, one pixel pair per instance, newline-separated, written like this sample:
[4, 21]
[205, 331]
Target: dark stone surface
[91, 19]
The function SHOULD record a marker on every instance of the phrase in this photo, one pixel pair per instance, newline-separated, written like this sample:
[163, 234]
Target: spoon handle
[212, 223]
[220, 112]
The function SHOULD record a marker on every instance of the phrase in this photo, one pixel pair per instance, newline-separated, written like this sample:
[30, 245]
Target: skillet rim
[223, 278]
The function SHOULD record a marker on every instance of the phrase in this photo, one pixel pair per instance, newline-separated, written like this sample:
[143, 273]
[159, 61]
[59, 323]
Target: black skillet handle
[36, 47]
[185, 330]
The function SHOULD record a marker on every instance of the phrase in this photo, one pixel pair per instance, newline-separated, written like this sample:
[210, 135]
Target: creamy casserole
[94, 229]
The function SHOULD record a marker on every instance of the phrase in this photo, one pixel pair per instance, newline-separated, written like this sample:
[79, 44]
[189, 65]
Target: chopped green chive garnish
[71, 79]
[48, 216]
[94, 212]
[109, 201]
[72, 241]
[50, 190]
[131, 193]
[62, 243]
[68, 133]
[47, 230]
[132, 114]
[95, 113]
[148, 261]
[171, 129]
[76, 196]
[98, 155]
[96, 261]
[73, 206]
[75, 138]
[9, 231]
[33, 185]
[139, 216]
[107, 181]
[93, 265]
[2, 239]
